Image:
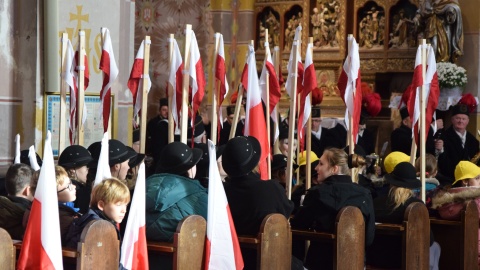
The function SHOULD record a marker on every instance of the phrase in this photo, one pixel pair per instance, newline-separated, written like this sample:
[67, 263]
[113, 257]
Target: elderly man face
[460, 122]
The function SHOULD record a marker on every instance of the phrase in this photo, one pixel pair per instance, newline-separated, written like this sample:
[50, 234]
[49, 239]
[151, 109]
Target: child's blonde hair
[60, 175]
[110, 190]
[400, 195]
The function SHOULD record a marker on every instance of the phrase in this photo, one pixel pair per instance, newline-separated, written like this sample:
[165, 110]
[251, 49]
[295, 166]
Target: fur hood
[455, 195]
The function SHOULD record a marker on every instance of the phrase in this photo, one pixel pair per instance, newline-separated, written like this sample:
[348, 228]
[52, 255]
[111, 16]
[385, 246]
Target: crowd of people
[177, 184]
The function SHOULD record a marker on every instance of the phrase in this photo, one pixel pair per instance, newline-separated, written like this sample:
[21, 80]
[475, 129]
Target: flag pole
[171, 124]
[267, 116]
[291, 119]
[308, 175]
[143, 117]
[422, 119]
[81, 87]
[63, 96]
[350, 116]
[185, 84]
[236, 116]
[215, 93]
[276, 60]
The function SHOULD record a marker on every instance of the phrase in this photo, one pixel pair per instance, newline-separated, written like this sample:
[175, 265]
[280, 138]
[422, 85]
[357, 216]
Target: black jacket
[454, 152]
[319, 212]
[83, 195]
[401, 140]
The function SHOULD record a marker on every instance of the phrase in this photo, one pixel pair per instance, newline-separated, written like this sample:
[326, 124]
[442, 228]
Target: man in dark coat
[227, 126]
[456, 143]
[157, 131]
[401, 137]
[323, 137]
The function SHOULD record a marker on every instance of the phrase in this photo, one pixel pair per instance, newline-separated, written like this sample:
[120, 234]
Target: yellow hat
[302, 158]
[465, 170]
[392, 159]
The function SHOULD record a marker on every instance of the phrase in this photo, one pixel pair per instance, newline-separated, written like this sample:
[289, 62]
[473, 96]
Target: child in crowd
[431, 183]
[66, 194]
[452, 201]
[109, 202]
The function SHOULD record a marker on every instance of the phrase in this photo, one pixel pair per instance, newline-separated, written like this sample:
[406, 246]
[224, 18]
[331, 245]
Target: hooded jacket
[170, 198]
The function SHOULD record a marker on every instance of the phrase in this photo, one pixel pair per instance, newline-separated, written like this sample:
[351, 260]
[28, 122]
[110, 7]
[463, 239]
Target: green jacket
[170, 198]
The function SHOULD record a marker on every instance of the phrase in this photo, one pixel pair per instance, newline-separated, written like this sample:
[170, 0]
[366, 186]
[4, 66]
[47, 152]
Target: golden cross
[79, 17]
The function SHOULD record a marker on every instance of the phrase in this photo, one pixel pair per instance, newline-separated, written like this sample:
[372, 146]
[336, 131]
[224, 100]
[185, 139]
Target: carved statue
[441, 23]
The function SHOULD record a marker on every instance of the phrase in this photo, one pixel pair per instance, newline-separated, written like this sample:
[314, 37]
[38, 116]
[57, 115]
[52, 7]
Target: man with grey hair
[19, 198]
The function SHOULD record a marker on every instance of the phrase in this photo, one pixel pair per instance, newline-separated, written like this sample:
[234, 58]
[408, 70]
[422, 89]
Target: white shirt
[463, 137]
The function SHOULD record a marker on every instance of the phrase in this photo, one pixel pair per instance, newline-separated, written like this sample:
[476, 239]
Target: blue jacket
[170, 198]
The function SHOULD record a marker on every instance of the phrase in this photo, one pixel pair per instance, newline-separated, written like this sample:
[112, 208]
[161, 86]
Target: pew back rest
[416, 238]
[98, 247]
[350, 244]
[458, 239]
[189, 242]
[7, 251]
[275, 250]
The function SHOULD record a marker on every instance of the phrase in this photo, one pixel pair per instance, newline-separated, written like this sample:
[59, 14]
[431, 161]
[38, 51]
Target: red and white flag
[197, 83]
[289, 86]
[255, 124]
[103, 167]
[413, 103]
[221, 76]
[175, 80]
[273, 86]
[42, 247]
[309, 83]
[110, 73]
[350, 87]
[222, 250]
[134, 254]
[135, 81]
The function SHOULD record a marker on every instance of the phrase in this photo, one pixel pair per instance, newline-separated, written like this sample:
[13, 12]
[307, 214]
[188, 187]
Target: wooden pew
[458, 239]
[348, 240]
[187, 248]
[98, 248]
[273, 243]
[7, 251]
[415, 235]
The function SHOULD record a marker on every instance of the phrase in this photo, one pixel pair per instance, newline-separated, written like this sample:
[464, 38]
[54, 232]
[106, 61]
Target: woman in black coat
[322, 203]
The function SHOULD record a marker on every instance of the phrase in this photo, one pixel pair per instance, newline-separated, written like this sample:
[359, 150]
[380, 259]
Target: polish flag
[255, 124]
[273, 86]
[222, 250]
[110, 73]
[175, 80]
[17, 149]
[221, 76]
[350, 87]
[134, 254]
[289, 87]
[103, 167]
[135, 81]
[197, 83]
[432, 91]
[309, 83]
[42, 247]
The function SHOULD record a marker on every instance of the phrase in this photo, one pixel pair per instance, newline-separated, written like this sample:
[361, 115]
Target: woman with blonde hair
[323, 201]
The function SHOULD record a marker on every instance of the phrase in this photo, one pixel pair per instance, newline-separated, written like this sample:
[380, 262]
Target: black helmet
[74, 156]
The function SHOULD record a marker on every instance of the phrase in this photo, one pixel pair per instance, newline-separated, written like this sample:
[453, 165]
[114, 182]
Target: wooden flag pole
[236, 116]
[267, 110]
[215, 93]
[171, 124]
[298, 133]
[308, 174]
[143, 117]
[276, 58]
[63, 96]
[350, 117]
[81, 87]
[186, 83]
[422, 119]
[291, 119]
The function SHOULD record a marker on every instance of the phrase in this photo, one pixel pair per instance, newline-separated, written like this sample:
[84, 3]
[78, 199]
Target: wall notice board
[93, 127]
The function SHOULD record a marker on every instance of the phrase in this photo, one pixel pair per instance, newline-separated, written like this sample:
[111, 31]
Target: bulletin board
[93, 126]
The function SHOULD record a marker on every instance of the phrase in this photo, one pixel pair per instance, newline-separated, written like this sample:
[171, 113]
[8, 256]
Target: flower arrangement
[451, 75]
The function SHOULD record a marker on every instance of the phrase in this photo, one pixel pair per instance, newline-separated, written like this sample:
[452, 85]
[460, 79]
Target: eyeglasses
[69, 187]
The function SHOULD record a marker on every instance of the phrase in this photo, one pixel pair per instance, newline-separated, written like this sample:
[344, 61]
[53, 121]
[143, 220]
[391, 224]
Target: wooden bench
[98, 248]
[348, 240]
[187, 248]
[415, 235]
[458, 239]
[7, 251]
[273, 243]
